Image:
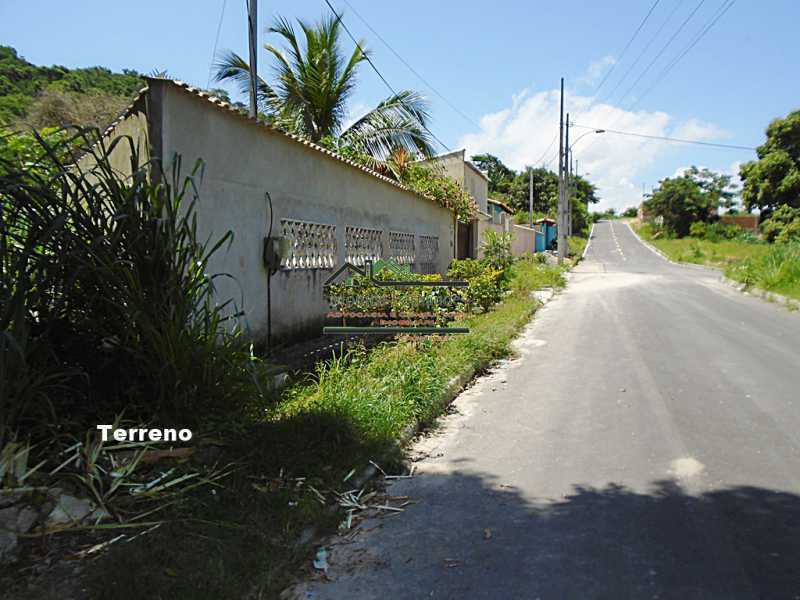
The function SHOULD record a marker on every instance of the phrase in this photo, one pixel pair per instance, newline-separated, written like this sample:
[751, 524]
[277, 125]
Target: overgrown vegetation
[715, 252]
[37, 97]
[441, 188]
[106, 302]
[776, 270]
[244, 539]
[383, 391]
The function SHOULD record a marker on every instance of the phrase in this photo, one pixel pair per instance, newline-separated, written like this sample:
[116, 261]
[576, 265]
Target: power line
[216, 41]
[595, 97]
[374, 68]
[663, 49]
[625, 49]
[410, 68]
[726, 5]
[550, 145]
[644, 50]
[666, 138]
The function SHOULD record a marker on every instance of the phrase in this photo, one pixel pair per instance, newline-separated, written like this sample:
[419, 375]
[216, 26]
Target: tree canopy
[694, 196]
[774, 179]
[512, 188]
[22, 83]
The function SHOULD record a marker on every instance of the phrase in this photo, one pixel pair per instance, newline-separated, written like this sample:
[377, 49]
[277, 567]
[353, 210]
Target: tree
[22, 82]
[717, 186]
[500, 176]
[312, 86]
[783, 225]
[774, 179]
[630, 212]
[684, 200]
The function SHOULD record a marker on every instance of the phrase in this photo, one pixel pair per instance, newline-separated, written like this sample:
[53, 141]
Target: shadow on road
[472, 537]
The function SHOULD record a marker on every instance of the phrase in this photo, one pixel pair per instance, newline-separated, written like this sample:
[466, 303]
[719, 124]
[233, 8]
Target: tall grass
[778, 270]
[105, 300]
[379, 393]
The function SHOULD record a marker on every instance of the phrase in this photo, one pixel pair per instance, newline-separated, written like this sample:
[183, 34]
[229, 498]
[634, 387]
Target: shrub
[105, 300]
[698, 229]
[783, 225]
[360, 294]
[715, 232]
[487, 285]
[497, 250]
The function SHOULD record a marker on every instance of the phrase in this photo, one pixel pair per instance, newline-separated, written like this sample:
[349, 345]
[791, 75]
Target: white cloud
[596, 70]
[696, 130]
[522, 133]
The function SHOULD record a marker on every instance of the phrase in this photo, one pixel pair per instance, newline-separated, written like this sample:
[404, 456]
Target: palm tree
[312, 86]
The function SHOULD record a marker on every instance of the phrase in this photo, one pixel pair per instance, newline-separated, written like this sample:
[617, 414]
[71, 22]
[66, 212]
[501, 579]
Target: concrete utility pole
[570, 190]
[252, 32]
[530, 196]
[565, 228]
[562, 239]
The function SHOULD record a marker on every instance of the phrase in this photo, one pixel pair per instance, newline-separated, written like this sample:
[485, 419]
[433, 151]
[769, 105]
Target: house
[260, 181]
[476, 183]
[499, 212]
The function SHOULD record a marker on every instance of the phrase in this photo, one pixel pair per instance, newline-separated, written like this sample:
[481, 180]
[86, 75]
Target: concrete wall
[524, 241]
[329, 208]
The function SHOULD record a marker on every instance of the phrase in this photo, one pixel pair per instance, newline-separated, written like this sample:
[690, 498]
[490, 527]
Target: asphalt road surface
[645, 444]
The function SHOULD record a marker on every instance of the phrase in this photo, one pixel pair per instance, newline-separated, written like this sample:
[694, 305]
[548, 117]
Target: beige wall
[243, 161]
[455, 165]
[524, 241]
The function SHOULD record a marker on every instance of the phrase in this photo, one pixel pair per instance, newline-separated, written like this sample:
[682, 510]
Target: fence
[328, 209]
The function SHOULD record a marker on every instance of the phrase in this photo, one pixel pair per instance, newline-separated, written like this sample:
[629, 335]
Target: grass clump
[777, 270]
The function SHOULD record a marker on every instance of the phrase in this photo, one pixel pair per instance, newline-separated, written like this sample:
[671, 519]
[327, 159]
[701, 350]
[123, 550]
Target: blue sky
[499, 63]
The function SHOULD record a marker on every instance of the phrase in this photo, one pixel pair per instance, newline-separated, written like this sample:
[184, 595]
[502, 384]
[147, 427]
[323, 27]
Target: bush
[487, 285]
[497, 250]
[106, 302]
[783, 225]
[715, 232]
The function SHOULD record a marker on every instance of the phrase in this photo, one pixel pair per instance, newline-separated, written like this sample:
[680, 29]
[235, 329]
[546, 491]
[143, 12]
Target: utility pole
[530, 197]
[562, 239]
[570, 191]
[252, 21]
[566, 187]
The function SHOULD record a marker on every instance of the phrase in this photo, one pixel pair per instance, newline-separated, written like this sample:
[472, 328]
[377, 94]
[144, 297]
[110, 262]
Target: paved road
[646, 444]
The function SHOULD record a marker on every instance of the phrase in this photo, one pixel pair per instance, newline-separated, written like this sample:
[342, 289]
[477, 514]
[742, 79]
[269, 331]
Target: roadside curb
[452, 390]
[759, 293]
[737, 285]
[652, 248]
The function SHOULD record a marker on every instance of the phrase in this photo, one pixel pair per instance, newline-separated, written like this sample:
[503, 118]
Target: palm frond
[400, 121]
[231, 67]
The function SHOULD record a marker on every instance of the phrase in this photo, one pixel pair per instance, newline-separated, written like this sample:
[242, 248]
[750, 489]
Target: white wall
[243, 161]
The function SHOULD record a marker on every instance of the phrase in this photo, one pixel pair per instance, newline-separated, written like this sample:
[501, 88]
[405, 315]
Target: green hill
[50, 96]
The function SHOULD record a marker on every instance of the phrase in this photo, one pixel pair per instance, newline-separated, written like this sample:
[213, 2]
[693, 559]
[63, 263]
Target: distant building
[455, 165]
